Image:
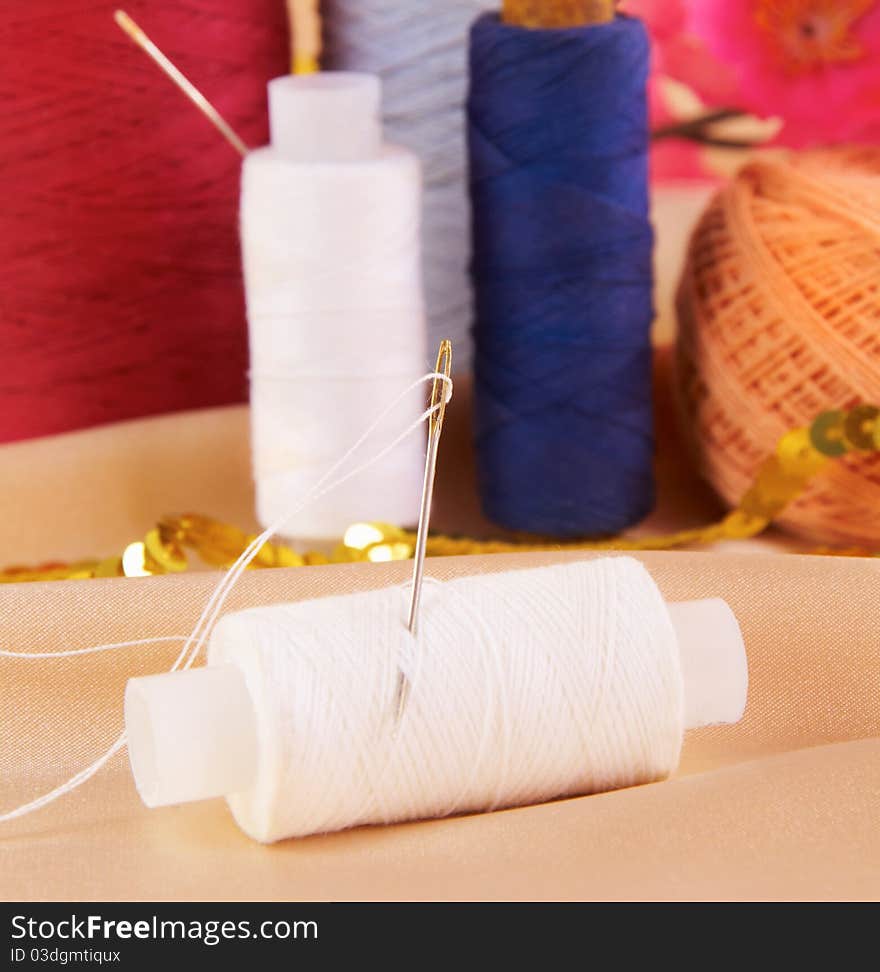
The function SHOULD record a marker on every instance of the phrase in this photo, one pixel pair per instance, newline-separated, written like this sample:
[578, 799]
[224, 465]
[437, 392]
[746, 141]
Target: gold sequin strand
[800, 456]
[163, 550]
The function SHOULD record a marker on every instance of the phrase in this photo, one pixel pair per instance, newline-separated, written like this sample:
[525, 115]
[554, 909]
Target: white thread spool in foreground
[330, 227]
[523, 686]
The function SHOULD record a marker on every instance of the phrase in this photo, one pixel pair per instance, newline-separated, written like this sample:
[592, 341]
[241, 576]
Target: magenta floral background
[802, 73]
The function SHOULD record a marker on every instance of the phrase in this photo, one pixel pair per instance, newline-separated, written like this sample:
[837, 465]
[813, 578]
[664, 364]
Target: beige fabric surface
[784, 805]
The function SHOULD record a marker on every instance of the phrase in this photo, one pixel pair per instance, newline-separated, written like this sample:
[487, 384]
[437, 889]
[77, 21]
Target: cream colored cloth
[784, 805]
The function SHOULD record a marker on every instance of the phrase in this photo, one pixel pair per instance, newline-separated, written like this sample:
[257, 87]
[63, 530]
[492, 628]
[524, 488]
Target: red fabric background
[120, 286]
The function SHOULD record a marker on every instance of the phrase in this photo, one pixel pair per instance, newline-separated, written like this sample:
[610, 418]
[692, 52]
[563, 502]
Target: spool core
[193, 735]
[557, 14]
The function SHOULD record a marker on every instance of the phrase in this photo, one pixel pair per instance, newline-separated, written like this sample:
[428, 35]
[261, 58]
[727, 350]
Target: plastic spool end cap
[326, 117]
[191, 735]
[713, 662]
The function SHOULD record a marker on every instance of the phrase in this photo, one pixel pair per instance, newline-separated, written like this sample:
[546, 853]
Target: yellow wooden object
[557, 13]
[305, 35]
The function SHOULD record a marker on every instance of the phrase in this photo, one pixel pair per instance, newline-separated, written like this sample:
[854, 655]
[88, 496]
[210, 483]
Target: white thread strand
[530, 685]
[419, 50]
[194, 643]
[93, 650]
[215, 604]
[68, 786]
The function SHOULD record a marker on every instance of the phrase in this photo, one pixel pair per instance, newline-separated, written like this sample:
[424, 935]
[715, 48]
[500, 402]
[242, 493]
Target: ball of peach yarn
[779, 319]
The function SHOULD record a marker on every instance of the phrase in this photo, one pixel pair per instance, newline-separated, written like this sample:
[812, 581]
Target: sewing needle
[181, 80]
[439, 398]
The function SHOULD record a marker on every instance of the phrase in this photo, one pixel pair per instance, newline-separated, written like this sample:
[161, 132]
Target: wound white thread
[524, 686]
[330, 226]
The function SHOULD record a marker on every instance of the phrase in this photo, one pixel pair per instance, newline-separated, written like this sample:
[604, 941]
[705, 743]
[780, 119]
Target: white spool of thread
[420, 52]
[523, 686]
[330, 227]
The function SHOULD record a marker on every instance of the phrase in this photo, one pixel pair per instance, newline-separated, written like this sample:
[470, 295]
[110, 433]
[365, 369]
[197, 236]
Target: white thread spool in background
[419, 49]
[330, 226]
[523, 686]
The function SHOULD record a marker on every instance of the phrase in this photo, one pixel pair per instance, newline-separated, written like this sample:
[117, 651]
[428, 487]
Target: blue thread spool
[558, 138]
